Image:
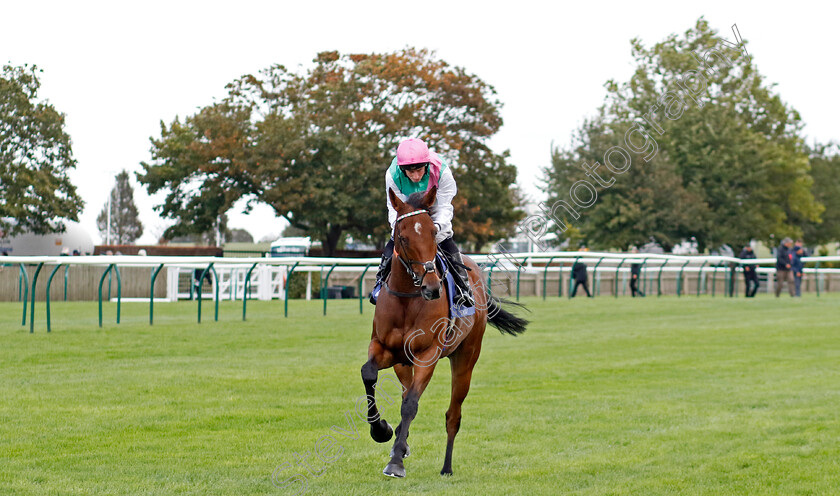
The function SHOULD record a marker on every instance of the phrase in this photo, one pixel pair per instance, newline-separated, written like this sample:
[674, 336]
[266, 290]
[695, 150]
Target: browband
[416, 212]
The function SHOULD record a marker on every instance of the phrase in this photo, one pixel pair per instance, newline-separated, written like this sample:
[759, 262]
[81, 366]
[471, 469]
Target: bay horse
[412, 330]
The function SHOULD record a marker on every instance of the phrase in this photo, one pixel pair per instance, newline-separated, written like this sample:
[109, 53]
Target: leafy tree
[125, 222]
[487, 202]
[649, 201]
[208, 237]
[290, 231]
[825, 169]
[35, 158]
[202, 164]
[315, 146]
[728, 163]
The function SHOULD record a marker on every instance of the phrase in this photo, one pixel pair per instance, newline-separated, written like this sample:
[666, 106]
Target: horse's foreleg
[380, 431]
[411, 400]
[405, 374]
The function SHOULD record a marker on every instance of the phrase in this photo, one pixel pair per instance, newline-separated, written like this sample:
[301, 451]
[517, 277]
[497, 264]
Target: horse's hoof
[446, 473]
[394, 470]
[381, 432]
[407, 452]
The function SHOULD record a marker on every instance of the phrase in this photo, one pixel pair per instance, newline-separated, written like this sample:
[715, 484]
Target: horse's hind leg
[380, 431]
[462, 364]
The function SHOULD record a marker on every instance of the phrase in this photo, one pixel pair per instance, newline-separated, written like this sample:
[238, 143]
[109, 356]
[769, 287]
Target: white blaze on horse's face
[417, 228]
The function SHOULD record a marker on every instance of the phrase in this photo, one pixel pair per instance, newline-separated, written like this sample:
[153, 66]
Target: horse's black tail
[501, 319]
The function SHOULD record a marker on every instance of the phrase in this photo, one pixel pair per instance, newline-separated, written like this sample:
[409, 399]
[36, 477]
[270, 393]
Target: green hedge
[297, 286]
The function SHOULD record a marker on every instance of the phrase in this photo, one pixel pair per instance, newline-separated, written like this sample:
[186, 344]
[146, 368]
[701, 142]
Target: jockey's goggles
[414, 167]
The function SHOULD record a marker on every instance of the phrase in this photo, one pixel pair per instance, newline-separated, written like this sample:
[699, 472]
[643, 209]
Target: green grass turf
[602, 396]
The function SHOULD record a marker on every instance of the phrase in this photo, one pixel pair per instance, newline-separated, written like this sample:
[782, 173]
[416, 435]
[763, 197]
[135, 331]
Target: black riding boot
[459, 272]
[384, 267]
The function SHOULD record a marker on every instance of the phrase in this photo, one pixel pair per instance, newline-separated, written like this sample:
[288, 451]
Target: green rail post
[714, 279]
[66, 268]
[361, 281]
[152, 294]
[620, 263]
[596, 281]
[519, 273]
[286, 302]
[216, 284]
[726, 286]
[624, 286]
[247, 285]
[109, 286]
[324, 287]
[641, 284]
[101, 281]
[490, 278]
[545, 274]
[32, 307]
[119, 291]
[659, 278]
[817, 277]
[700, 277]
[49, 284]
[734, 272]
[680, 278]
[198, 290]
[560, 280]
[25, 278]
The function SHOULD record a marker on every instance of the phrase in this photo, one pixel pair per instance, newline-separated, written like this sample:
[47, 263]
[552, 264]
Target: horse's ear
[398, 204]
[429, 197]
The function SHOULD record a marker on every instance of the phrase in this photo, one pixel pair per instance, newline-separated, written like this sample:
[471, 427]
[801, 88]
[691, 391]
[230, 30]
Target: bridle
[428, 267]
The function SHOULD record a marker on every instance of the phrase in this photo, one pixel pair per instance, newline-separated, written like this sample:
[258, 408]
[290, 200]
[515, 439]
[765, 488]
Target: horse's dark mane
[416, 200]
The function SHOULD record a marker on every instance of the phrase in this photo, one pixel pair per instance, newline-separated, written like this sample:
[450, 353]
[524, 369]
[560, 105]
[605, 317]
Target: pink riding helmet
[413, 151]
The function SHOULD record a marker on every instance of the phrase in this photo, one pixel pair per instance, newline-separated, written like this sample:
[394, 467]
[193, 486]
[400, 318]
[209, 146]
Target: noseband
[428, 267]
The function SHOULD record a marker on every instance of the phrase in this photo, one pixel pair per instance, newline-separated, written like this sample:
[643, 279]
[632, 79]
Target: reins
[407, 263]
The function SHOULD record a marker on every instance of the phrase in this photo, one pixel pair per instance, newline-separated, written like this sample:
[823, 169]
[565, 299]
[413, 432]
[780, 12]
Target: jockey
[416, 169]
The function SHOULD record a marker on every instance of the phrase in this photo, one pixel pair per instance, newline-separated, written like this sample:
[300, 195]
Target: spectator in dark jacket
[635, 276]
[750, 275]
[784, 262]
[580, 277]
[796, 267]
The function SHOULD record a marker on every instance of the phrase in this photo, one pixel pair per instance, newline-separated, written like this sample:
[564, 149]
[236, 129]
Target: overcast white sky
[116, 69]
